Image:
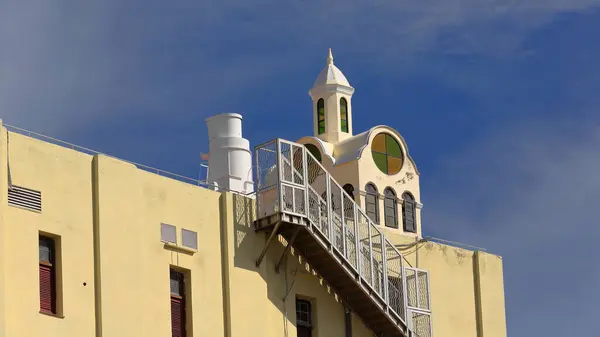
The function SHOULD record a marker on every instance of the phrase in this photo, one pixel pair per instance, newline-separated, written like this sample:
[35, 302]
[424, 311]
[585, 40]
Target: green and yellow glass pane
[344, 125]
[393, 165]
[378, 144]
[344, 114]
[381, 161]
[387, 154]
[321, 115]
[392, 146]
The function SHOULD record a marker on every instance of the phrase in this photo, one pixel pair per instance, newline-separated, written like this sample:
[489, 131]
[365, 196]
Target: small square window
[189, 238]
[168, 233]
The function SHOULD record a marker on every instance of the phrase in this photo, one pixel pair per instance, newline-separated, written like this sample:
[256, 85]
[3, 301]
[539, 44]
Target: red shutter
[177, 317]
[47, 302]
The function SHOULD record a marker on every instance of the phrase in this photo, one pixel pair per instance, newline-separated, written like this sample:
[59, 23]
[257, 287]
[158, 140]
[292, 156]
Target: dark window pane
[176, 283]
[304, 331]
[46, 249]
[314, 151]
[370, 188]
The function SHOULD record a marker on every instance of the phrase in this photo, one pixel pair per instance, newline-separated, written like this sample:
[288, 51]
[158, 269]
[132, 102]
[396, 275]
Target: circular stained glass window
[387, 154]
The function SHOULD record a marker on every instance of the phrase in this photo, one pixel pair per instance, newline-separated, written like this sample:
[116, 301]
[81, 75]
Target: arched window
[408, 213]
[390, 208]
[314, 151]
[372, 202]
[321, 115]
[350, 190]
[348, 210]
[344, 114]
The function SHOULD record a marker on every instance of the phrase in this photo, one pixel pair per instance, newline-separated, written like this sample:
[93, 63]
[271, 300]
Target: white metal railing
[290, 180]
[418, 302]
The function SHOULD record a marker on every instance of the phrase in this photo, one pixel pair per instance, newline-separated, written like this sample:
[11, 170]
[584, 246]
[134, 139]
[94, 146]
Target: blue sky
[497, 101]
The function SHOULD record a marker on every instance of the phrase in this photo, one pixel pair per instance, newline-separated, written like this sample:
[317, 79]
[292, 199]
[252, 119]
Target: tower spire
[330, 58]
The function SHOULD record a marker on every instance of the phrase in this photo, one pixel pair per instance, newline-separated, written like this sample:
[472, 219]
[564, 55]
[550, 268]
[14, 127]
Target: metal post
[345, 251]
[371, 255]
[256, 179]
[329, 212]
[385, 278]
[405, 289]
[271, 236]
[358, 248]
[287, 249]
[279, 175]
[306, 184]
[417, 299]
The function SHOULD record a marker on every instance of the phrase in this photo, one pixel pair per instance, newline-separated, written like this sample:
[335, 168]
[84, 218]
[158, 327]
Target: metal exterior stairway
[299, 200]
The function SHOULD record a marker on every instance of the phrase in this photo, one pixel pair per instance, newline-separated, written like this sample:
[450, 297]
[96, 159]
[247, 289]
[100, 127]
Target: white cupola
[332, 104]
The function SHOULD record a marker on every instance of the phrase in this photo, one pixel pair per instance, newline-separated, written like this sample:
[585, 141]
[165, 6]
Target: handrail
[291, 180]
[376, 276]
[179, 177]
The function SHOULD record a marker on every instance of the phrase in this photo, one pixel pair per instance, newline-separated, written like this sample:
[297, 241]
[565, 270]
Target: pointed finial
[330, 58]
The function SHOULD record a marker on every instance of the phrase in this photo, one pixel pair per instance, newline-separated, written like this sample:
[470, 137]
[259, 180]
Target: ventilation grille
[25, 198]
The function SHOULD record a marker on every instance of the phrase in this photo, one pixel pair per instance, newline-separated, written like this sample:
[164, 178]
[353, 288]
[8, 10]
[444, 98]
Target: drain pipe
[348, 321]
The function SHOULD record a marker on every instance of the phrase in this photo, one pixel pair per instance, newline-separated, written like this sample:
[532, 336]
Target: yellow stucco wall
[64, 177]
[107, 214]
[467, 287]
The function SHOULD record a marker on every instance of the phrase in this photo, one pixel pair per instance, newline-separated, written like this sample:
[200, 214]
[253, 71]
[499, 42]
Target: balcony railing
[290, 180]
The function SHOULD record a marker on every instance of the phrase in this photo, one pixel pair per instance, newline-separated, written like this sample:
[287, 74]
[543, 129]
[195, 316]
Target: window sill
[51, 314]
[181, 249]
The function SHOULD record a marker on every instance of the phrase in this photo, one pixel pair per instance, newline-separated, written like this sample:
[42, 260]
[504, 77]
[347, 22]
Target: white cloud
[529, 193]
[66, 66]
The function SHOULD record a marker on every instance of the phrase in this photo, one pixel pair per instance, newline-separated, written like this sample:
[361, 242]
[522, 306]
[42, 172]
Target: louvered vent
[25, 198]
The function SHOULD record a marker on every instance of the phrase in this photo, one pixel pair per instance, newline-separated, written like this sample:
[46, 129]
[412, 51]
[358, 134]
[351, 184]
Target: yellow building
[320, 237]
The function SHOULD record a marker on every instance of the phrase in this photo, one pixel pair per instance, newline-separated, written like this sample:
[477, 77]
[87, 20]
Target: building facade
[273, 245]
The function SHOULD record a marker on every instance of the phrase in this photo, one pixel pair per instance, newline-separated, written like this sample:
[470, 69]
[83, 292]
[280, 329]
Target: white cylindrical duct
[230, 158]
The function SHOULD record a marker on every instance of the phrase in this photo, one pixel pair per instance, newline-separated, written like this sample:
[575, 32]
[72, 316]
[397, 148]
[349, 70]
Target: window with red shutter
[47, 275]
[177, 304]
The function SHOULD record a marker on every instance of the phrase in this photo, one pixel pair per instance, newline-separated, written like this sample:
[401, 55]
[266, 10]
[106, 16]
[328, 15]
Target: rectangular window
[304, 318]
[168, 233]
[48, 270]
[390, 212]
[178, 312]
[408, 215]
[371, 203]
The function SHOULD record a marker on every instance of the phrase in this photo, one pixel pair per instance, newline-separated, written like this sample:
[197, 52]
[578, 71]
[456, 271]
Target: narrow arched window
[372, 202]
[390, 208]
[348, 188]
[408, 213]
[314, 151]
[344, 114]
[348, 209]
[321, 115]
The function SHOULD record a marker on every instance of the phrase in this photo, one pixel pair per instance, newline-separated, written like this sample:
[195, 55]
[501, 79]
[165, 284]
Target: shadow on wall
[248, 244]
[295, 276]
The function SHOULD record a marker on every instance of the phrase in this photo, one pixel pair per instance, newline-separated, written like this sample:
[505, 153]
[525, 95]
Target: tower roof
[331, 74]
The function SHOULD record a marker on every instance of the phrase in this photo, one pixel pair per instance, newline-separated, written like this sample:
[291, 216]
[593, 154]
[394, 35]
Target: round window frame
[387, 153]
